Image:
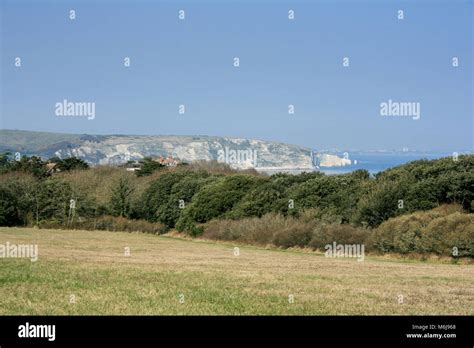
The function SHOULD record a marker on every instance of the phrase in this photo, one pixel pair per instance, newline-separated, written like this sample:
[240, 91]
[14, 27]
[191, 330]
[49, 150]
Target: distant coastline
[240, 153]
[375, 162]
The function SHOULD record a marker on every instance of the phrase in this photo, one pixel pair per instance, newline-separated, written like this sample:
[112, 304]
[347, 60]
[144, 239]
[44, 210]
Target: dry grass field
[83, 272]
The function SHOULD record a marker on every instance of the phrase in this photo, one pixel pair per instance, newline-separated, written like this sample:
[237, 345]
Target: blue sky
[282, 62]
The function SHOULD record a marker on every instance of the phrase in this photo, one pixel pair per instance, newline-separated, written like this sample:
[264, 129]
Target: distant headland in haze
[240, 153]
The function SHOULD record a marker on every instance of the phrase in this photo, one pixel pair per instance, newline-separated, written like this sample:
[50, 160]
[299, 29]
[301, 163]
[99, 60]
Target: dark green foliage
[120, 201]
[421, 185]
[71, 163]
[259, 201]
[8, 208]
[180, 196]
[221, 196]
[36, 166]
[148, 166]
[381, 203]
[188, 197]
[335, 196]
[459, 188]
[31, 165]
[51, 200]
[18, 193]
[159, 192]
[5, 160]
[272, 195]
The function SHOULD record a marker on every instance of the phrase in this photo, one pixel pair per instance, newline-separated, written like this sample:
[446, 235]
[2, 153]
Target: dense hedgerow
[444, 231]
[286, 231]
[191, 198]
[110, 223]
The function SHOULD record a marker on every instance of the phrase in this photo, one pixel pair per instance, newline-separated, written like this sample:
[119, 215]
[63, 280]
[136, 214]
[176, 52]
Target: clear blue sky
[283, 62]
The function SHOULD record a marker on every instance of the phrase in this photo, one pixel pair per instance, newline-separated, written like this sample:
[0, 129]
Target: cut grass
[92, 266]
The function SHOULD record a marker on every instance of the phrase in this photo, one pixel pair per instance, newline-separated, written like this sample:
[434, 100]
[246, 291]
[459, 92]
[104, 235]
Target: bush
[8, 208]
[326, 208]
[217, 198]
[148, 166]
[51, 200]
[422, 185]
[121, 196]
[158, 193]
[181, 195]
[339, 233]
[436, 231]
[162, 200]
[335, 195]
[70, 163]
[294, 233]
[249, 230]
[451, 235]
[381, 203]
[284, 231]
[189, 226]
[110, 223]
[18, 191]
[271, 228]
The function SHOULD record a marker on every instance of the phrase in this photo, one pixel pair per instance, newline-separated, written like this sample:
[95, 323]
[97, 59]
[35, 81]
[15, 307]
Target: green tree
[70, 163]
[33, 165]
[217, 198]
[8, 208]
[51, 200]
[121, 196]
[148, 166]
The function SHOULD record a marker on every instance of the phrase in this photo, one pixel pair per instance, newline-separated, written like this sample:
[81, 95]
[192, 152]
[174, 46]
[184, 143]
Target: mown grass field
[165, 275]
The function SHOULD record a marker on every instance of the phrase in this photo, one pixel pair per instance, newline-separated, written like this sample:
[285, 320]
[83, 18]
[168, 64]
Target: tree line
[193, 197]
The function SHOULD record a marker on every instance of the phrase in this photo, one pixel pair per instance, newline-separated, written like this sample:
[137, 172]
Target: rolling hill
[118, 149]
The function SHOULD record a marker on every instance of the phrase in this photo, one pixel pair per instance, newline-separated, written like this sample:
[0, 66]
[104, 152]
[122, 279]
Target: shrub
[286, 231]
[51, 200]
[158, 193]
[436, 231]
[19, 188]
[120, 201]
[271, 228]
[181, 195]
[381, 203]
[8, 208]
[249, 230]
[335, 195]
[70, 163]
[339, 233]
[217, 198]
[148, 166]
[294, 233]
[110, 223]
[188, 225]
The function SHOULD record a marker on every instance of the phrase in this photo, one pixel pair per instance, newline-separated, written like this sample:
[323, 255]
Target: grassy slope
[92, 266]
[32, 141]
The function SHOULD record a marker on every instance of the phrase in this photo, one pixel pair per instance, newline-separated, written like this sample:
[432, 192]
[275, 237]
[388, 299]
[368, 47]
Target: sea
[375, 162]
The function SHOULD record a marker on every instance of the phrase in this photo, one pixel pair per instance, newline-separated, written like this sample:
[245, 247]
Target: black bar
[195, 330]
